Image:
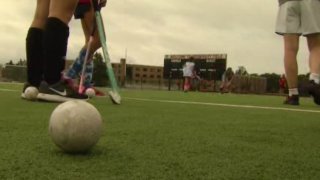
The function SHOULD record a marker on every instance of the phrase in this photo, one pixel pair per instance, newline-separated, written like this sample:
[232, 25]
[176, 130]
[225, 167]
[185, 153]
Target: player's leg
[34, 44]
[223, 83]
[88, 24]
[41, 14]
[222, 87]
[228, 86]
[288, 24]
[314, 57]
[310, 21]
[55, 43]
[187, 84]
[80, 13]
[314, 62]
[291, 46]
[311, 29]
[56, 38]
[86, 13]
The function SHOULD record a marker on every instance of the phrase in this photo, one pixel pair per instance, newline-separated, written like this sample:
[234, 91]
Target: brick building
[137, 74]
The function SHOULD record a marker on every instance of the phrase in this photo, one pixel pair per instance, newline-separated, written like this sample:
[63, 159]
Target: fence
[15, 73]
[249, 84]
[240, 84]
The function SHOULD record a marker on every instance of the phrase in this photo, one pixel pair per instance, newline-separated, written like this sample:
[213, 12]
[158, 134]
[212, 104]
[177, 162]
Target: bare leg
[314, 62]
[314, 58]
[56, 38]
[41, 14]
[62, 9]
[291, 46]
[186, 83]
[87, 24]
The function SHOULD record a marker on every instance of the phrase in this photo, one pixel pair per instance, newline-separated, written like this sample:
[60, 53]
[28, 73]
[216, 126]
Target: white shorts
[299, 17]
[188, 69]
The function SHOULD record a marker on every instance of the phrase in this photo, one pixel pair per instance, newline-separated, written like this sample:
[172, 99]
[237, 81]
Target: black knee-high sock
[35, 56]
[55, 43]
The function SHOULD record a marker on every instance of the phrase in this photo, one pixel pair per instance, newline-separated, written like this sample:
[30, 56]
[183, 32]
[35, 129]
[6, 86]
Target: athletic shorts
[81, 9]
[299, 17]
[188, 69]
[84, 1]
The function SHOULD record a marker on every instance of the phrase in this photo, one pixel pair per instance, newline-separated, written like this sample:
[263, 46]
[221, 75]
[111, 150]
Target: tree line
[100, 76]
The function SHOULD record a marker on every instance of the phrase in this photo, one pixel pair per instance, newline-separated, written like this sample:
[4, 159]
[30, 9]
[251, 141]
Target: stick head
[115, 97]
[81, 89]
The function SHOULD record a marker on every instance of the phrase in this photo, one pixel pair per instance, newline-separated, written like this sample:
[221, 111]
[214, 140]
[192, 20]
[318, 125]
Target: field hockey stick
[86, 59]
[114, 93]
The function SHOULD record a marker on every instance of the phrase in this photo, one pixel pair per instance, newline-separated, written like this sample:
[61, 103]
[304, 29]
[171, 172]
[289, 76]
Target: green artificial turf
[148, 139]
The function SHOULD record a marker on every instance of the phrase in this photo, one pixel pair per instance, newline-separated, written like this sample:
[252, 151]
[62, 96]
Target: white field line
[8, 90]
[225, 105]
[11, 83]
[210, 104]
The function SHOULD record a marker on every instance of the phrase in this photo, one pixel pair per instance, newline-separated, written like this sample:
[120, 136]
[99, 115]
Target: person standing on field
[282, 84]
[85, 12]
[187, 75]
[226, 81]
[296, 18]
[46, 48]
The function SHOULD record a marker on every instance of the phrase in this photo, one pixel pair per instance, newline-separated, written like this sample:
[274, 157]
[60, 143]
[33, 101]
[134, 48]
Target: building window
[151, 76]
[144, 75]
[137, 75]
[145, 69]
[137, 69]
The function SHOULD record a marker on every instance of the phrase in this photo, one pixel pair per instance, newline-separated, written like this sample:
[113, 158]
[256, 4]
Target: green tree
[254, 75]
[100, 77]
[272, 82]
[242, 71]
[10, 63]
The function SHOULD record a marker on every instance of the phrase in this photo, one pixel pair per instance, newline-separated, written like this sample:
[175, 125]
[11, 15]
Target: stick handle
[96, 5]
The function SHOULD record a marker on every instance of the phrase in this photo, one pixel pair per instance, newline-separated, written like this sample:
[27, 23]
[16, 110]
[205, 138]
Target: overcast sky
[149, 29]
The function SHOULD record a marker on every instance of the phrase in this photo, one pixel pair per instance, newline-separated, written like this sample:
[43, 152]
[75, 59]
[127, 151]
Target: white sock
[293, 91]
[315, 77]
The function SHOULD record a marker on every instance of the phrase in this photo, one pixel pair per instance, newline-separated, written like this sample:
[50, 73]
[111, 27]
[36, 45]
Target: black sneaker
[314, 91]
[292, 100]
[59, 92]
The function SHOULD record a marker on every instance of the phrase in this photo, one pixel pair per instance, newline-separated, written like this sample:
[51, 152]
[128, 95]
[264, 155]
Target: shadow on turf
[95, 151]
[92, 152]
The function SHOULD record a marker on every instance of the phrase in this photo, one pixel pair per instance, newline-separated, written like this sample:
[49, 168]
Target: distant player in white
[226, 81]
[187, 75]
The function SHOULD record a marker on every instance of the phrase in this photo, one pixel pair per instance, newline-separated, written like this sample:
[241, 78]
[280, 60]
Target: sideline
[208, 104]
[8, 90]
[225, 105]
